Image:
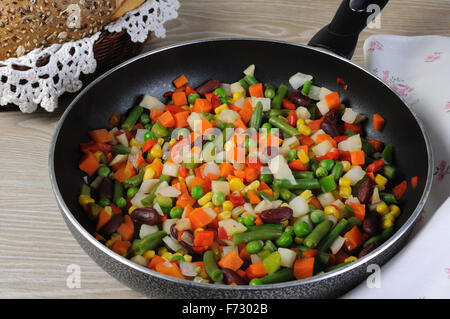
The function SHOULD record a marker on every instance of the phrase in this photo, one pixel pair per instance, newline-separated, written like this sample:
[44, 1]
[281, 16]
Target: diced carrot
[333, 100]
[203, 238]
[170, 269]
[202, 105]
[100, 136]
[199, 218]
[378, 122]
[148, 144]
[353, 239]
[256, 270]
[357, 157]
[155, 260]
[325, 137]
[155, 113]
[180, 81]
[89, 163]
[157, 167]
[246, 112]
[357, 128]
[226, 169]
[121, 247]
[258, 221]
[304, 267]
[184, 200]
[189, 90]
[240, 124]
[376, 144]
[399, 190]
[256, 90]
[179, 98]
[174, 109]
[414, 181]
[136, 127]
[306, 140]
[239, 173]
[340, 256]
[315, 125]
[181, 119]
[126, 229]
[103, 218]
[243, 253]
[297, 165]
[371, 175]
[251, 174]
[310, 253]
[166, 119]
[359, 210]
[315, 202]
[231, 261]
[206, 184]
[254, 199]
[204, 126]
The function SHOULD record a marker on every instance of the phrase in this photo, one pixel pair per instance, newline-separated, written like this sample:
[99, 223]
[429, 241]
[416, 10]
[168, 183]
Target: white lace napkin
[419, 69]
[43, 85]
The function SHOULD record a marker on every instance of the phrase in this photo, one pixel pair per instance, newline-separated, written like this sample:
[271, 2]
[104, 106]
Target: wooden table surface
[36, 247]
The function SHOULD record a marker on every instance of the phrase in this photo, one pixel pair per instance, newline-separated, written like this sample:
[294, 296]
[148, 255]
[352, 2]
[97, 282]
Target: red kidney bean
[367, 249]
[298, 98]
[105, 189]
[148, 216]
[365, 191]
[230, 276]
[276, 215]
[111, 226]
[331, 125]
[208, 86]
[372, 223]
[188, 248]
[174, 231]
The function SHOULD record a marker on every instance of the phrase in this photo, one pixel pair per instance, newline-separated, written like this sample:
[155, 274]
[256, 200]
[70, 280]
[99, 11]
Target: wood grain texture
[36, 247]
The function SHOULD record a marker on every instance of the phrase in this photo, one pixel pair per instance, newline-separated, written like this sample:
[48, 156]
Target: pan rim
[402, 231]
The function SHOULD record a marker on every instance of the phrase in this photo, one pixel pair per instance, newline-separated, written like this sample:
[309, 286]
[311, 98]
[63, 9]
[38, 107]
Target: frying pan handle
[341, 35]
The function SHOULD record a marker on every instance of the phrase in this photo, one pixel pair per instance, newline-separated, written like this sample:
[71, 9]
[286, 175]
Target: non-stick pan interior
[225, 59]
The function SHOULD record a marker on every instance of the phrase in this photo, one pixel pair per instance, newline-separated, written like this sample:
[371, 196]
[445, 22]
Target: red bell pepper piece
[236, 198]
[288, 104]
[292, 119]
[375, 166]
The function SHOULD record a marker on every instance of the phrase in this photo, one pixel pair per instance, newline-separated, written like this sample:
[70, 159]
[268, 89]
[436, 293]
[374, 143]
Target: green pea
[301, 228]
[327, 164]
[192, 97]
[240, 219]
[121, 202]
[145, 119]
[176, 212]
[149, 136]
[285, 240]
[177, 257]
[286, 194]
[317, 216]
[289, 229]
[197, 192]
[132, 191]
[266, 178]
[104, 171]
[104, 202]
[221, 178]
[254, 247]
[249, 220]
[312, 208]
[255, 282]
[292, 155]
[321, 172]
[218, 198]
[269, 93]
[220, 92]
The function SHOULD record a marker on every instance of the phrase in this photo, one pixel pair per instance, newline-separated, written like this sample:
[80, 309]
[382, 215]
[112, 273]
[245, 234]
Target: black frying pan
[153, 72]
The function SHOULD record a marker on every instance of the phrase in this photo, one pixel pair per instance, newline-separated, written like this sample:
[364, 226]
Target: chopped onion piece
[266, 102]
[168, 223]
[122, 139]
[303, 113]
[288, 257]
[188, 269]
[147, 230]
[120, 158]
[326, 199]
[140, 136]
[254, 258]
[158, 209]
[337, 244]
[298, 79]
[237, 87]
[351, 144]
[322, 105]
[280, 169]
[170, 169]
[172, 243]
[186, 237]
[138, 259]
[314, 92]
[355, 174]
[322, 148]
[299, 206]
[250, 70]
[169, 191]
[150, 102]
[228, 116]
[324, 92]
[183, 224]
[220, 186]
[349, 116]
[263, 205]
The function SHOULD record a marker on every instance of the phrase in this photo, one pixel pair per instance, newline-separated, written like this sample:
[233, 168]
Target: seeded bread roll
[29, 24]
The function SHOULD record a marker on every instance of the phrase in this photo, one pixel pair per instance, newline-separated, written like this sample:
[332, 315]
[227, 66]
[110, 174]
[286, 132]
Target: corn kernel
[98, 154]
[380, 180]
[224, 215]
[304, 129]
[198, 229]
[220, 108]
[85, 200]
[156, 151]
[345, 181]
[252, 186]
[148, 254]
[130, 210]
[177, 254]
[133, 142]
[285, 223]
[386, 223]
[382, 209]
[303, 157]
[236, 184]
[149, 173]
[345, 191]
[394, 210]
[167, 256]
[229, 145]
[185, 107]
[300, 122]
[351, 258]
[227, 205]
[172, 141]
[162, 250]
[160, 141]
[205, 199]
[331, 210]
[208, 205]
[284, 205]
[307, 194]
[299, 240]
[237, 96]
[187, 258]
[346, 166]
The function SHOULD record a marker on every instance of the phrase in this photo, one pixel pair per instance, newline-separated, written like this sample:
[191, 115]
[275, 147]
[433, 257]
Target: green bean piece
[281, 94]
[348, 211]
[337, 171]
[255, 121]
[144, 119]
[163, 201]
[312, 110]
[389, 171]
[85, 190]
[132, 118]
[282, 275]
[148, 201]
[352, 221]
[317, 234]
[283, 126]
[159, 130]
[278, 227]
[277, 112]
[103, 171]
[304, 183]
[132, 191]
[117, 191]
[327, 183]
[306, 87]
[272, 262]
[149, 242]
[321, 172]
[244, 83]
[120, 149]
[388, 198]
[349, 133]
[326, 242]
[211, 267]
[266, 196]
[286, 194]
[387, 153]
[95, 210]
[317, 216]
[303, 174]
[251, 80]
[322, 257]
[337, 266]
[385, 234]
[328, 164]
[260, 234]
[269, 93]
[136, 180]
[270, 246]
[313, 164]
